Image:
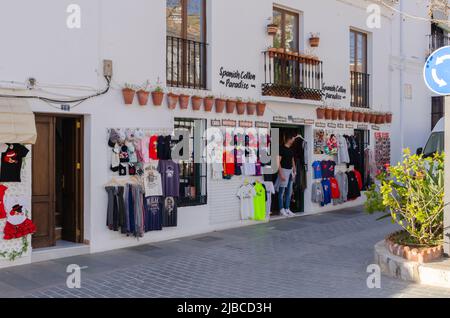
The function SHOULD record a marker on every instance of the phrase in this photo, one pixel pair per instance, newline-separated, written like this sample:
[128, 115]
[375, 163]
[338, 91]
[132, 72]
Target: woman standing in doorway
[286, 175]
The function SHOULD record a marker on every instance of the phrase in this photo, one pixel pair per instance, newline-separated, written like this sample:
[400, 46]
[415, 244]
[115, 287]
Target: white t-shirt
[249, 169]
[152, 180]
[246, 193]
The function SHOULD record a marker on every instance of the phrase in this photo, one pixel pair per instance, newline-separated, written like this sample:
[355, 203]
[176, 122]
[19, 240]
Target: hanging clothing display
[353, 186]
[343, 155]
[170, 173]
[326, 192]
[342, 180]
[152, 180]
[270, 190]
[18, 224]
[259, 202]
[12, 159]
[317, 195]
[2, 201]
[246, 194]
[170, 212]
[154, 214]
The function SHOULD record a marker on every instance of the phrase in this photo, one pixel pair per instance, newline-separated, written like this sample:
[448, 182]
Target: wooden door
[43, 182]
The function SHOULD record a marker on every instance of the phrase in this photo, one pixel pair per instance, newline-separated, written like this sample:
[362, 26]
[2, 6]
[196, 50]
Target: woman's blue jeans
[284, 196]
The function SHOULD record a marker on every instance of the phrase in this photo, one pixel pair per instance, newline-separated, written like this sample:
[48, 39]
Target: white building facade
[44, 42]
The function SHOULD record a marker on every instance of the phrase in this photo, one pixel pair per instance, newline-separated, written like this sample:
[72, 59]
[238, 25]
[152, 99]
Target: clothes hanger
[112, 183]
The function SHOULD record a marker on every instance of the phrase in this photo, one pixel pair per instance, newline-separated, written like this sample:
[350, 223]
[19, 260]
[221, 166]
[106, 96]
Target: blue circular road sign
[437, 71]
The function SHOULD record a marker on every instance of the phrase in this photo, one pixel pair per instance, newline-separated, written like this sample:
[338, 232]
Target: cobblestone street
[312, 256]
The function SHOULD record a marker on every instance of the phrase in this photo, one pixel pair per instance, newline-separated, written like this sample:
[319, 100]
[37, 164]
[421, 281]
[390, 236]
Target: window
[359, 79]
[193, 172]
[288, 31]
[437, 110]
[186, 47]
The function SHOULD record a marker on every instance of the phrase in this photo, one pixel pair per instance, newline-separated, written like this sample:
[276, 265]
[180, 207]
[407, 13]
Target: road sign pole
[447, 178]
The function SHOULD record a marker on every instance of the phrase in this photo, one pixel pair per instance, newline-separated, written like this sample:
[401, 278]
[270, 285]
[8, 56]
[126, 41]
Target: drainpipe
[402, 83]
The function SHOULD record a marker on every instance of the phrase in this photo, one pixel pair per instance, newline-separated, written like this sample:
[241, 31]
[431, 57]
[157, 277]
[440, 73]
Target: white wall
[132, 34]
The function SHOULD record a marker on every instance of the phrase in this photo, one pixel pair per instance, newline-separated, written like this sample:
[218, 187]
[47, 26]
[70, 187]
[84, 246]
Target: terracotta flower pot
[389, 118]
[362, 117]
[320, 113]
[208, 103]
[220, 105]
[272, 29]
[196, 103]
[251, 108]
[314, 41]
[373, 118]
[272, 52]
[367, 117]
[342, 113]
[240, 107]
[335, 114]
[128, 95]
[230, 106]
[184, 101]
[157, 98]
[349, 115]
[260, 109]
[172, 100]
[383, 118]
[355, 116]
[143, 97]
[328, 113]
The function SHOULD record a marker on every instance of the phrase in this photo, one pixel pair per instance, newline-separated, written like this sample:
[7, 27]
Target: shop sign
[375, 127]
[228, 123]
[279, 119]
[297, 120]
[349, 126]
[261, 124]
[332, 125]
[340, 126]
[335, 92]
[216, 123]
[245, 124]
[321, 125]
[362, 127]
[309, 121]
[237, 79]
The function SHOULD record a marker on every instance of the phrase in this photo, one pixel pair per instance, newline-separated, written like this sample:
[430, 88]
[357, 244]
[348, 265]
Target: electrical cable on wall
[76, 100]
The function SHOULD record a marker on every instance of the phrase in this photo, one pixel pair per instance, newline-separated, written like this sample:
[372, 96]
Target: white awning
[17, 123]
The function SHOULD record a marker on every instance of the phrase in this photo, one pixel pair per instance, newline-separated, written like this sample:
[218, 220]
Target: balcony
[437, 40]
[292, 75]
[360, 89]
[185, 63]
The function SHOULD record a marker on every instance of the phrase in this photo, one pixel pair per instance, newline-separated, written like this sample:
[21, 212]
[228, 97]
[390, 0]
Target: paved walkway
[314, 256]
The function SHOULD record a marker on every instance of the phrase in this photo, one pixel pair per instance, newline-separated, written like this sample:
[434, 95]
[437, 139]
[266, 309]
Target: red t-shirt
[153, 150]
[335, 192]
[359, 179]
[228, 163]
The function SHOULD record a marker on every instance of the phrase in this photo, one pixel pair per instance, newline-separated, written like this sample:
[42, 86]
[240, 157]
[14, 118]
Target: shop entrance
[298, 196]
[57, 185]
[362, 139]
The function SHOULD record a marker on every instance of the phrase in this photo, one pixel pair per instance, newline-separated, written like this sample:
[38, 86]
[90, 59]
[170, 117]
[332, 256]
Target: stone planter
[414, 254]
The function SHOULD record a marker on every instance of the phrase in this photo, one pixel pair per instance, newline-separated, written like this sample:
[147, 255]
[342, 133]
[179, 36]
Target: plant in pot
[412, 195]
[230, 106]
[172, 99]
[388, 117]
[355, 115]
[220, 104]
[240, 106]
[314, 39]
[157, 94]
[251, 107]
[328, 113]
[143, 94]
[184, 101]
[272, 51]
[208, 102]
[342, 113]
[362, 116]
[128, 92]
[367, 116]
[260, 109]
[197, 101]
[320, 112]
[349, 115]
[272, 29]
[335, 114]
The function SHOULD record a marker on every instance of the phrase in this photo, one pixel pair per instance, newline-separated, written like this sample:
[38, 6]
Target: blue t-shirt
[326, 184]
[317, 170]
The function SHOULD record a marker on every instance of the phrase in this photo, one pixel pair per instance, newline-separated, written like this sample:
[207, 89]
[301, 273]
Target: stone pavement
[313, 256]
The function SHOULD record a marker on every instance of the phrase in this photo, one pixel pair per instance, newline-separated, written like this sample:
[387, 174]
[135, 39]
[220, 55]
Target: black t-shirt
[286, 154]
[12, 163]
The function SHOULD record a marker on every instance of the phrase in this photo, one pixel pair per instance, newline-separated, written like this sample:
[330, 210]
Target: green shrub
[413, 195]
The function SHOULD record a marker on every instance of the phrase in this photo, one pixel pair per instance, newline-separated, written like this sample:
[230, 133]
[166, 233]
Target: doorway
[362, 139]
[57, 185]
[299, 183]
